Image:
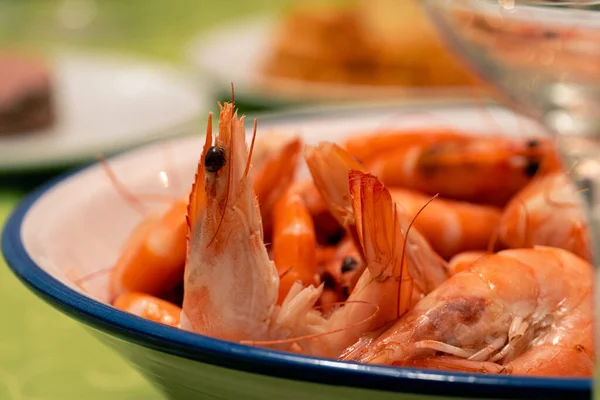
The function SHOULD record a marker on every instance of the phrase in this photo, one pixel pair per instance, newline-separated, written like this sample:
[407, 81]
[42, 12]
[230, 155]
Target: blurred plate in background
[106, 104]
[239, 53]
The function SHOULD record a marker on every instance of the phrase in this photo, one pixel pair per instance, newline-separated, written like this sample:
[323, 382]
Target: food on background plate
[374, 42]
[394, 288]
[26, 94]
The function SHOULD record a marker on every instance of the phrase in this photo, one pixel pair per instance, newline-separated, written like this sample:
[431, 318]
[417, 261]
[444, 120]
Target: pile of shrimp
[430, 249]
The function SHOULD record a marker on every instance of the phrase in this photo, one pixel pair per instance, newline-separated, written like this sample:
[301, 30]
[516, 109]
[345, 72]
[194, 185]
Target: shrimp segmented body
[149, 307]
[294, 243]
[510, 312]
[548, 212]
[464, 260]
[488, 170]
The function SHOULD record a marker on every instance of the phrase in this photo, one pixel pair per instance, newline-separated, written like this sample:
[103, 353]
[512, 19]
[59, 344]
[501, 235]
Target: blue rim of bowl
[257, 360]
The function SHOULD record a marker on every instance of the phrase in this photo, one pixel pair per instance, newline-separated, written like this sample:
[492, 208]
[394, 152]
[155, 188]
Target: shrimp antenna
[251, 149]
[404, 276]
[232, 95]
[555, 203]
[132, 199]
[121, 189]
[92, 275]
[287, 271]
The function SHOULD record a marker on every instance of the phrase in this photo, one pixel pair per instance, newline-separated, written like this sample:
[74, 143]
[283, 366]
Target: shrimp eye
[532, 167]
[532, 143]
[215, 159]
[349, 264]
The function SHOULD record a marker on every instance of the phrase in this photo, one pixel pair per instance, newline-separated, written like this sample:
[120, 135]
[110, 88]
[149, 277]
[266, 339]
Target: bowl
[75, 225]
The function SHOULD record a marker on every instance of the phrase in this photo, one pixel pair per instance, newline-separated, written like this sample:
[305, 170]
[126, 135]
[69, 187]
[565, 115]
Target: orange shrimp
[401, 266]
[149, 307]
[230, 284]
[547, 212]
[294, 243]
[153, 257]
[516, 311]
[450, 226]
[463, 261]
[487, 170]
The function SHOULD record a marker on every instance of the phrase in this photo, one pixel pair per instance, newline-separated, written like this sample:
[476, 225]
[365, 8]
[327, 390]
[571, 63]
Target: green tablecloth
[44, 355]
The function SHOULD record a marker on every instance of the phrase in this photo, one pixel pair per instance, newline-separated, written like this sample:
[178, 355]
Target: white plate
[54, 223]
[235, 53]
[106, 104]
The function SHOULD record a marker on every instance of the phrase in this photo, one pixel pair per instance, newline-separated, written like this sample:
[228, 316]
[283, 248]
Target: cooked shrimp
[401, 266]
[517, 311]
[547, 212]
[153, 258]
[231, 285]
[464, 260]
[294, 243]
[487, 170]
[149, 307]
[450, 226]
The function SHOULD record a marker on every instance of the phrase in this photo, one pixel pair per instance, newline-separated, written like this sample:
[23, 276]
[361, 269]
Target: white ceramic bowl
[76, 224]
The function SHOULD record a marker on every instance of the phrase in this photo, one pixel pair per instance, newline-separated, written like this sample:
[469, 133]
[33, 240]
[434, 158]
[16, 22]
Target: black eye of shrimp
[349, 264]
[215, 159]
[532, 167]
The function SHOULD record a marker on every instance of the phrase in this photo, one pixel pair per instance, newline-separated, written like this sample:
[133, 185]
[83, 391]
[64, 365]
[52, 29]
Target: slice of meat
[26, 90]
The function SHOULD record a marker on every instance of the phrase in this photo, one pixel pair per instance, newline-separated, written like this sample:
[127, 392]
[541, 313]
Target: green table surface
[45, 355]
